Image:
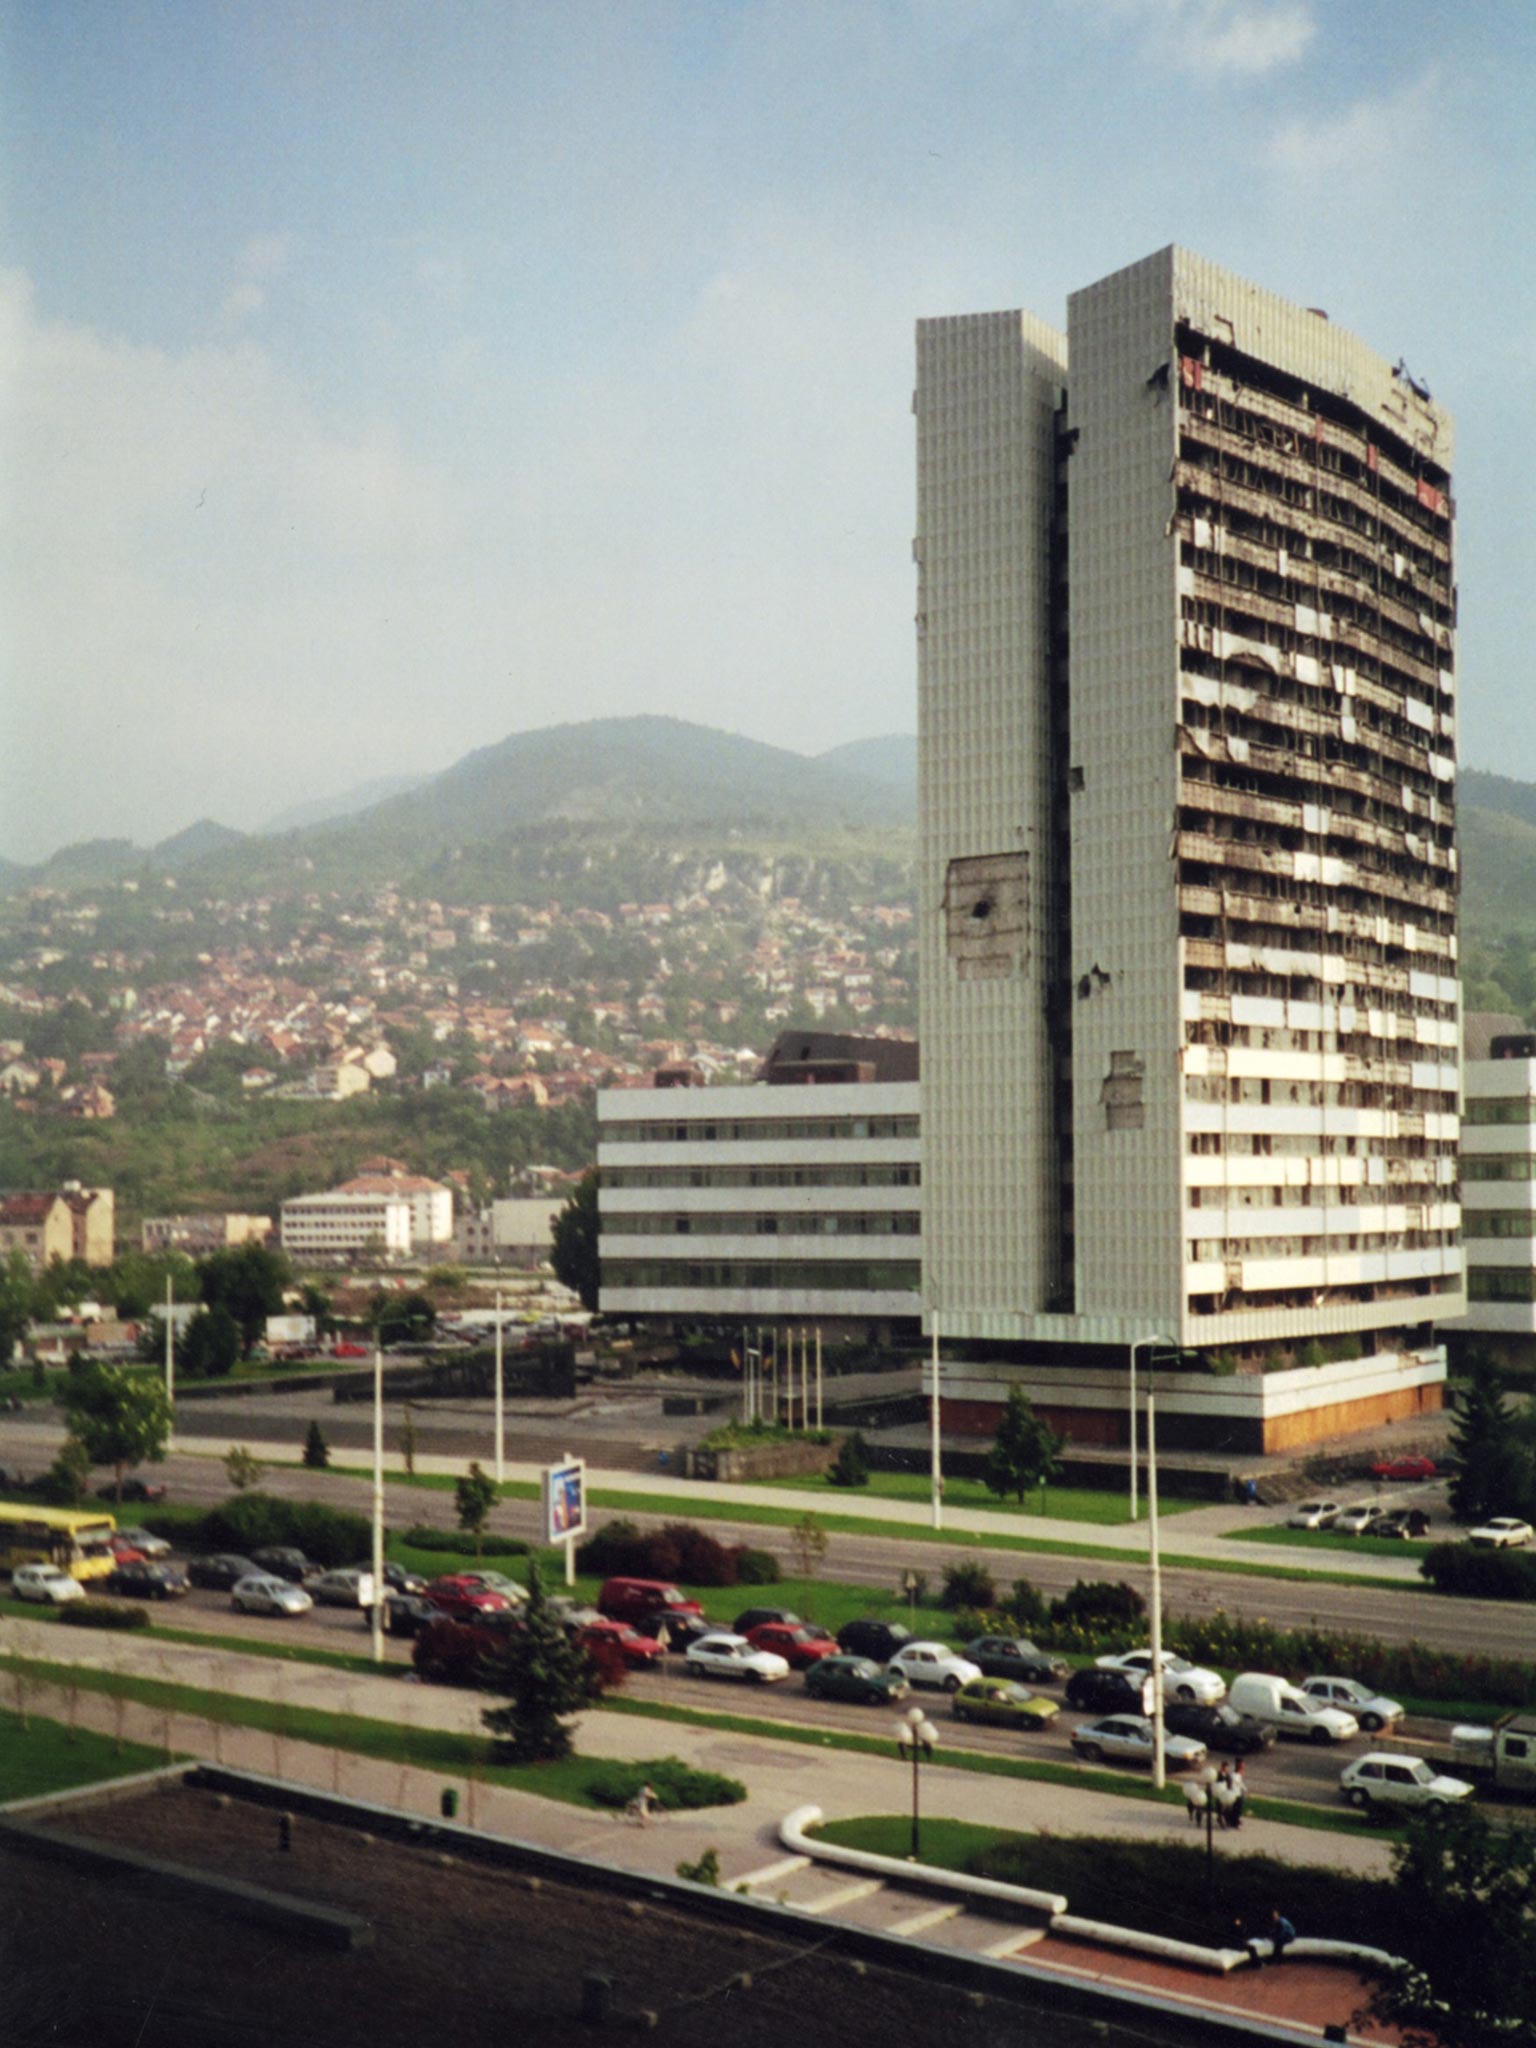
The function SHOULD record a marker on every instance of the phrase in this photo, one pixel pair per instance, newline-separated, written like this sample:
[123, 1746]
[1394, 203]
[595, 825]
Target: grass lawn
[39, 1755]
[1326, 1539]
[1107, 1508]
[1160, 1887]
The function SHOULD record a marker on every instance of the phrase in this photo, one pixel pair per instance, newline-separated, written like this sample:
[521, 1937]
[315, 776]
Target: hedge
[677, 1786]
[421, 1537]
[255, 1521]
[1480, 1574]
[103, 1614]
[678, 1552]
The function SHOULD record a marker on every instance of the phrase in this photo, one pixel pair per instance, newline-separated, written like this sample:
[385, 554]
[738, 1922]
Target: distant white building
[796, 1197]
[1498, 1187]
[338, 1225]
[431, 1203]
[200, 1234]
[508, 1233]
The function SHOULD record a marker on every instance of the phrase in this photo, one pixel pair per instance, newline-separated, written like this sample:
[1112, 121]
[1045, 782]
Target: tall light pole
[1159, 1759]
[935, 1454]
[500, 1389]
[170, 1359]
[378, 1502]
[915, 1736]
[1141, 1344]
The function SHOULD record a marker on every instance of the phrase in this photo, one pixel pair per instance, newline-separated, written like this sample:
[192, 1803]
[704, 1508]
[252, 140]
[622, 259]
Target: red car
[799, 1643]
[462, 1597]
[449, 1652]
[124, 1552]
[1404, 1468]
[639, 1652]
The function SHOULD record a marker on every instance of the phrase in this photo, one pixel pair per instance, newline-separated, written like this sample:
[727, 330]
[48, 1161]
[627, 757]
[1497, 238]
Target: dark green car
[859, 1679]
[1004, 1702]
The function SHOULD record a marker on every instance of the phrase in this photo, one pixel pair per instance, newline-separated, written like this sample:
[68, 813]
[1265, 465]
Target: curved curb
[1220, 1962]
[792, 1835]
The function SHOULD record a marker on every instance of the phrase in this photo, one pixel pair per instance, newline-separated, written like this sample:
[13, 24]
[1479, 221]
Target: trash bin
[449, 1803]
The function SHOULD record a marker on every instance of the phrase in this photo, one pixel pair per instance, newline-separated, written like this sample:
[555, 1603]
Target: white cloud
[261, 259]
[1361, 140]
[240, 302]
[1214, 38]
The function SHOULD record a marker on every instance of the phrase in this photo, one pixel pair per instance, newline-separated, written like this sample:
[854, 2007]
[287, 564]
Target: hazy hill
[185, 849]
[890, 761]
[328, 810]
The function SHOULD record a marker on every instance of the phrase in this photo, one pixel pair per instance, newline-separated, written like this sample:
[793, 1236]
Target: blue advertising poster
[565, 1500]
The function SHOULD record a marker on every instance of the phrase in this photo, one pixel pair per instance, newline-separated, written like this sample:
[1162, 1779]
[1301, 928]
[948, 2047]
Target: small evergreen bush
[421, 1537]
[1100, 1601]
[756, 1567]
[677, 1786]
[967, 1584]
[103, 1614]
[851, 1465]
[317, 1452]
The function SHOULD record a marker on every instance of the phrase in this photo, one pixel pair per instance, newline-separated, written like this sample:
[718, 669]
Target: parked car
[675, 1630]
[1357, 1520]
[222, 1571]
[878, 1639]
[263, 1593]
[124, 1552]
[1003, 1703]
[934, 1666]
[342, 1588]
[461, 1597]
[1015, 1657]
[1093, 1691]
[147, 1581]
[755, 1617]
[45, 1583]
[1390, 1779]
[450, 1652]
[1181, 1679]
[282, 1561]
[1404, 1468]
[396, 1578]
[1503, 1532]
[407, 1614]
[497, 1582]
[1313, 1514]
[857, 1679]
[627, 1599]
[1220, 1727]
[798, 1646]
[145, 1544]
[1288, 1710]
[133, 1489]
[1401, 1522]
[1373, 1710]
[724, 1655]
[639, 1652]
[1127, 1739]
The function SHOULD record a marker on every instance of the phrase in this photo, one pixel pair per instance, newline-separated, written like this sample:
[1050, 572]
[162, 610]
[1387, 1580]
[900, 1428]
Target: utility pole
[378, 1503]
[500, 1417]
[170, 1360]
[1159, 1760]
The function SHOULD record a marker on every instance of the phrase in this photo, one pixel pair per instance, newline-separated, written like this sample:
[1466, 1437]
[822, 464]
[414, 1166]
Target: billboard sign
[564, 1491]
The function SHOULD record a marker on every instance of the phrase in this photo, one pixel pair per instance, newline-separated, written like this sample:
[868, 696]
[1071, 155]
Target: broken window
[986, 915]
[1120, 1092]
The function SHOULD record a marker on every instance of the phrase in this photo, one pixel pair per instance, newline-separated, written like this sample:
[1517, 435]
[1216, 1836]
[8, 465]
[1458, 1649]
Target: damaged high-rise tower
[1186, 611]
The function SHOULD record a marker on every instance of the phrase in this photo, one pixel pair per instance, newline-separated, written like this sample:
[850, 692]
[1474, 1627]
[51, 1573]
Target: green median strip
[39, 1755]
[438, 1749]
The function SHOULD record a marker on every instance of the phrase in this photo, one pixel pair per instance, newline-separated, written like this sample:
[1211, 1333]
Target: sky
[383, 377]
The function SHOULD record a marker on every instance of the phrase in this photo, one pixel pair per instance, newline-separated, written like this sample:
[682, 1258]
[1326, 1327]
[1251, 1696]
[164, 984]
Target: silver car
[262, 1594]
[342, 1588]
[1127, 1739]
[1373, 1710]
[724, 1655]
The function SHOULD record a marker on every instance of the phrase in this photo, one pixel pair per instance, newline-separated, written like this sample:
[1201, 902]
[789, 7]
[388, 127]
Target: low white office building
[340, 1226]
[795, 1198]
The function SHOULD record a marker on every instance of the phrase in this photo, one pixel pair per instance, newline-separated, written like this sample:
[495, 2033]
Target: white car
[1373, 1710]
[145, 1544]
[1386, 1779]
[724, 1655]
[1181, 1680]
[1313, 1514]
[934, 1665]
[1357, 1520]
[47, 1583]
[1503, 1532]
[1127, 1739]
[262, 1594]
[342, 1588]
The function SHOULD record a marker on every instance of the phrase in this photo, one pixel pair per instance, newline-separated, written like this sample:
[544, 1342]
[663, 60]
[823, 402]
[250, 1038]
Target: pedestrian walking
[1239, 1795]
[1224, 1796]
[1195, 1803]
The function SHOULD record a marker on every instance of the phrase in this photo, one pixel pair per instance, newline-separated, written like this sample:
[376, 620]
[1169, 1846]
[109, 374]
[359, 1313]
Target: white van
[1288, 1710]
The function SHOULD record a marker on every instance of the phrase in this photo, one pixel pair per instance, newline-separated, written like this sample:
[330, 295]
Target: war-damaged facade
[1186, 616]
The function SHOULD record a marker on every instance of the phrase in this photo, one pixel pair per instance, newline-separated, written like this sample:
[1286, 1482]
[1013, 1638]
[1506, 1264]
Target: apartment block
[202, 1234]
[341, 1226]
[795, 1198]
[1498, 1189]
[1187, 735]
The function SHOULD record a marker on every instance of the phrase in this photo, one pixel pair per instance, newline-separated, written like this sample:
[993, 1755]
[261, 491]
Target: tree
[118, 1418]
[15, 1303]
[545, 1678]
[1496, 1472]
[408, 1441]
[808, 1540]
[248, 1280]
[851, 1465]
[210, 1349]
[474, 1495]
[317, 1452]
[1025, 1451]
[1464, 1900]
[66, 1479]
[240, 1468]
[573, 1253]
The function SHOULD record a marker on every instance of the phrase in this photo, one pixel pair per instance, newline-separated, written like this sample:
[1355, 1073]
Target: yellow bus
[75, 1539]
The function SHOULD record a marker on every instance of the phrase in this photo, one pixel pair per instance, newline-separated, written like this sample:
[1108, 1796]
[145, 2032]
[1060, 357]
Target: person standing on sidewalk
[1239, 1794]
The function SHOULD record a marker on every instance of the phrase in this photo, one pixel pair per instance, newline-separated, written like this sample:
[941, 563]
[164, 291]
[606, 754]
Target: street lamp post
[935, 1447]
[1207, 1778]
[1159, 1762]
[915, 1736]
[1141, 1344]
